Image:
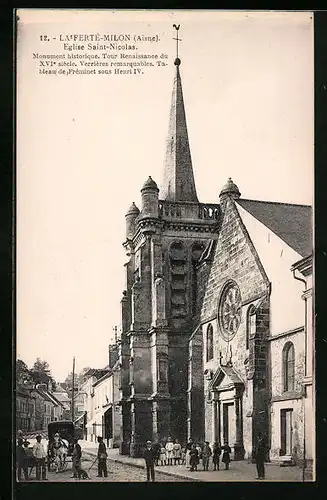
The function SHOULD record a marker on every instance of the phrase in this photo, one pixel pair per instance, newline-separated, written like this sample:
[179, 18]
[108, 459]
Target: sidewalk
[239, 471]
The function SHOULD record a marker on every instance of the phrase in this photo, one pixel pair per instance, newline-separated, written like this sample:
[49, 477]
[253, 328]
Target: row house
[47, 407]
[85, 396]
[25, 410]
[106, 417]
[63, 398]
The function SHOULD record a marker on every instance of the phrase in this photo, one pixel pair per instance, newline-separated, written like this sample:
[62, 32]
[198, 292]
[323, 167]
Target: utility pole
[73, 390]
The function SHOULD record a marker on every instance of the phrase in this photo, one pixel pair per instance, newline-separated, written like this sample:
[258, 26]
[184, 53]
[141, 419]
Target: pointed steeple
[179, 182]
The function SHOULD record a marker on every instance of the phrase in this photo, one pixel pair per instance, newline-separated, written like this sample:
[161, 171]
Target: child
[177, 452]
[206, 454]
[215, 455]
[199, 448]
[169, 451]
[162, 455]
[226, 455]
[194, 458]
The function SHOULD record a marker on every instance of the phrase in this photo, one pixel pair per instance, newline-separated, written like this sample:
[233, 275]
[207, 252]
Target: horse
[59, 453]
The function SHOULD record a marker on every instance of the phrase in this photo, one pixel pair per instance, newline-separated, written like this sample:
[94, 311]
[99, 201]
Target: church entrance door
[229, 423]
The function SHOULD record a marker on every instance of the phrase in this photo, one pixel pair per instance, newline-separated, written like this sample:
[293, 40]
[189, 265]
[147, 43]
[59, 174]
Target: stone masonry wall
[236, 259]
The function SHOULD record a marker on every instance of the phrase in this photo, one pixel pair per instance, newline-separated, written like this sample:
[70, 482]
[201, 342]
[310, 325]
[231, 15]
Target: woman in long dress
[177, 452]
[170, 451]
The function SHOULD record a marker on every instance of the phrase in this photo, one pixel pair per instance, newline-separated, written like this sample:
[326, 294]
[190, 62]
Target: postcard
[165, 166]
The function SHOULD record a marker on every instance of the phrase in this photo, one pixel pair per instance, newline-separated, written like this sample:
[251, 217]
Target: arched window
[288, 366]
[209, 342]
[250, 325]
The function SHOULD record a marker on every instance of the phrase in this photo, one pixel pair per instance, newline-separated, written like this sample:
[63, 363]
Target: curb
[139, 466]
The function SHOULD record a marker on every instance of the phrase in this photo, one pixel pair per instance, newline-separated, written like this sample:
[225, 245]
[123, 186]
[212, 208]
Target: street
[116, 473]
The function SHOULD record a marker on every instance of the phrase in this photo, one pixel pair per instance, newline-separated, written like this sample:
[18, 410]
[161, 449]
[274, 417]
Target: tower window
[209, 342]
[288, 366]
[250, 324]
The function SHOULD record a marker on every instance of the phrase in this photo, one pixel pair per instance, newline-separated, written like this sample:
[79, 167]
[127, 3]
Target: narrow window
[251, 325]
[288, 366]
[209, 342]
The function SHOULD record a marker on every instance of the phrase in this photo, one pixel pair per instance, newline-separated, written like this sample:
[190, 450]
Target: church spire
[179, 182]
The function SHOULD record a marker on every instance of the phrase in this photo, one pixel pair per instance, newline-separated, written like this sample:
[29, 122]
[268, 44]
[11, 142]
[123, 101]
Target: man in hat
[260, 455]
[102, 458]
[39, 454]
[149, 457]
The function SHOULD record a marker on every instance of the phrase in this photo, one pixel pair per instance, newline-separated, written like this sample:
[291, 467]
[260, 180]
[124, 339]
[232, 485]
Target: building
[106, 415]
[215, 334]
[25, 410]
[47, 407]
[62, 396]
[252, 328]
[302, 271]
[87, 392]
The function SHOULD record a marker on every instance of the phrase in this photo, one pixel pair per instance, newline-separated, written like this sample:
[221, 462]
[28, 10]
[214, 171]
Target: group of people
[38, 454]
[172, 453]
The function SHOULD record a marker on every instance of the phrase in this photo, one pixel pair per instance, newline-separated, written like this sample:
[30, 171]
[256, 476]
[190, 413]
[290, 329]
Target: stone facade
[208, 307]
[25, 410]
[235, 260]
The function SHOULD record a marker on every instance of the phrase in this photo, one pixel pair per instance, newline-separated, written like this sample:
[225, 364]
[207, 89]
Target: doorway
[108, 427]
[228, 423]
[286, 434]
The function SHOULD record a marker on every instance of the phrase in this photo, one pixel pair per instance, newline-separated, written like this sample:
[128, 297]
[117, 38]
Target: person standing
[77, 457]
[102, 458]
[162, 455]
[177, 451]
[149, 457]
[226, 455]
[216, 451]
[169, 451]
[199, 448]
[260, 455]
[22, 459]
[40, 454]
[206, 454]
[187, 452]
[156, 450]
[194, 458]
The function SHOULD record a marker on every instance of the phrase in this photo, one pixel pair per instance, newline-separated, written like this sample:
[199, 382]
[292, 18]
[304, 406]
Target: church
[217, 336]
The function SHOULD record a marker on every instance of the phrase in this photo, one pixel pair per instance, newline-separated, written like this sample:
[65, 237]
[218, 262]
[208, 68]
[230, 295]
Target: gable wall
[287, 311]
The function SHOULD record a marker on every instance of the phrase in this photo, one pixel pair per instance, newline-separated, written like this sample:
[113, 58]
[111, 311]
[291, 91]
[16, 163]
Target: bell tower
[164, 243]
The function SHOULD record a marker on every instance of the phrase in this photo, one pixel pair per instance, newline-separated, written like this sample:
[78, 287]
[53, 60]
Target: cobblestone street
[116, 473]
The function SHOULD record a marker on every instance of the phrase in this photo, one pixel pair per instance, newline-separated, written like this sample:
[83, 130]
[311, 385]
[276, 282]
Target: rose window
[230, 311]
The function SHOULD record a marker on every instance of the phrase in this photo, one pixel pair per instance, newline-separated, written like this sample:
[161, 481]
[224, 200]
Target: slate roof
[292, 223]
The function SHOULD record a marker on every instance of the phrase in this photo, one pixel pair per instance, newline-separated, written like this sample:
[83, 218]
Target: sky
[87, 143]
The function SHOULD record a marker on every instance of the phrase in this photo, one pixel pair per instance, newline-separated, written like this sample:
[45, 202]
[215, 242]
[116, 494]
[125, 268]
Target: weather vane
[177, 60]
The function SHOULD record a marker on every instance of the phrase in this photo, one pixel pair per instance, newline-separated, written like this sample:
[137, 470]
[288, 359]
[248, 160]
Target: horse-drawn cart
[66, 431]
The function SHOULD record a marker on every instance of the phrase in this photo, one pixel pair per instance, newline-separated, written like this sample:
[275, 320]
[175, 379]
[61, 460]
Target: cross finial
[177, 60]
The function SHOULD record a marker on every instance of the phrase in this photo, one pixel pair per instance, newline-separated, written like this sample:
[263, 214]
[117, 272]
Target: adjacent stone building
[215, 335]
